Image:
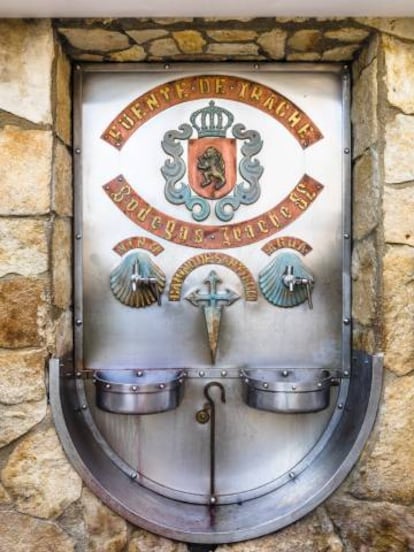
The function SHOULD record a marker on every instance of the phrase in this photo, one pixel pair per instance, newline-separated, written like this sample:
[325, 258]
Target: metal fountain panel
[212, 365]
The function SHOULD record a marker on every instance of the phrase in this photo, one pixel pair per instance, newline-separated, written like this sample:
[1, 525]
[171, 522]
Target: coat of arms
[212, 164]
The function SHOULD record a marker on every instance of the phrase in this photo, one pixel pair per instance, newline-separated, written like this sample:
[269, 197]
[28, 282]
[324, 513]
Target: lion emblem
[211, 164]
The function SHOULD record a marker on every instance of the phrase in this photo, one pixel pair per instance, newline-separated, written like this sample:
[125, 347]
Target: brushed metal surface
[169, 451]
[304, 488]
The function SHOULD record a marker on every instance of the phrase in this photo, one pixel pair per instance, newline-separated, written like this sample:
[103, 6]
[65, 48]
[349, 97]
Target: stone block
[4, 497]
[21, 533]
[39, 478]
[23, 246]
[63, 98]
[273, 43]
[342, 53]
[232, 35]
[95, 40]
[163, 47]
[26, 58]
[398, 308]
[306, 40]
[402, 27]
[189, 42]
[233, 49]
[364, 109]
[143, 541]
[399, 151]
[62, 263]
[366, 195]
[22, 376]
[398, 215]
[372, 527]
[18, 419]
[364, 275]
[314, 533]
[63, 334]
[348, 34]
[62, 190]
[146, 35]
[135, 53]
[380, 473]
[107, 532]
[25, 171]
[22, 312]
[399, 63]
[304, 56]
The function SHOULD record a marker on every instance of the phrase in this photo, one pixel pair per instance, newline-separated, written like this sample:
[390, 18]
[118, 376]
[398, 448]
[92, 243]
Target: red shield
[212, 169]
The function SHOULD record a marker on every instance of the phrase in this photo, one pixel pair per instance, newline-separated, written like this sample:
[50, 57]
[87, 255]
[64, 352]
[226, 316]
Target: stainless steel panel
[110, 336]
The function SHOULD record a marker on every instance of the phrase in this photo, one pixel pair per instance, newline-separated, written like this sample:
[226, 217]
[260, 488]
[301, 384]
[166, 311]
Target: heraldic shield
[212, 168]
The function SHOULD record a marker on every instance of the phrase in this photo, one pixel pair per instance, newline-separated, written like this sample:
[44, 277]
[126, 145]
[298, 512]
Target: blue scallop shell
[120, 280]
[271, 281]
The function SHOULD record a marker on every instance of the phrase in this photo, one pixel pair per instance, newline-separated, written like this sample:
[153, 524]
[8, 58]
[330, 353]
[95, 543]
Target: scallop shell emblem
[271, 281]
[144, 293]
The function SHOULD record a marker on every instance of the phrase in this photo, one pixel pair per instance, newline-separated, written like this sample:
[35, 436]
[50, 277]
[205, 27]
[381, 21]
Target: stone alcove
[35, 260]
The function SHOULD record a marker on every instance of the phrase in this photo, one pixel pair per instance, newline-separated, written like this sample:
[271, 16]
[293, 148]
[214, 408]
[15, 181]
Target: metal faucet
[138, 281]
[291, 281]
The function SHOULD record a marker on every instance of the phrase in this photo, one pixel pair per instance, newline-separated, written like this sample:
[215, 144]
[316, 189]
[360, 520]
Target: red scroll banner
[213, 237]
[166, 95]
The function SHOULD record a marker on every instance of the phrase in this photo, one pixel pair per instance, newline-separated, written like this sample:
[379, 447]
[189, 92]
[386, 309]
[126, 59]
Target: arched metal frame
[224, 523]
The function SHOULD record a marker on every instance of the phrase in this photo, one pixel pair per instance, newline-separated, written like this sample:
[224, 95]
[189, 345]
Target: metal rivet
[256, 66]
[84, 407]
[246, 380]
[201, 374]
[347, 150]
[133, 475]
[224, 373]
[285, 373]
[78, 236]
[78, 374]
[346, 236]
[78, 322]
[212, 237]
[293, 387]
[77, 150]
[213, 499]
[140, 373]
[120, 178]
[107, 386]
[161, 385]
[319, 384]
[180, 381]
[78, 68]
[340, 406]
[134, 388]
[265, 385]
[347, 321]
[166, 66]
[292, 475]
[346, 373]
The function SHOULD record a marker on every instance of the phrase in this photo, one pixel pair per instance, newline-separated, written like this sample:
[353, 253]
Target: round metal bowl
[139, 391]
[290, 391]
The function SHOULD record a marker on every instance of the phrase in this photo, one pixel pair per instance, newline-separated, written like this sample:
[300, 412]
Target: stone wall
[43, 505]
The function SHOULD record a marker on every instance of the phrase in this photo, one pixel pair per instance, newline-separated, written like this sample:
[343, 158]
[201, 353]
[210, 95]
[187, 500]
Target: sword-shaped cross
[212, 303]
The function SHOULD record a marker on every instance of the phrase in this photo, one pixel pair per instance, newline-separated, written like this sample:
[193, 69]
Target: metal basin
[290, 391]
[139, 391]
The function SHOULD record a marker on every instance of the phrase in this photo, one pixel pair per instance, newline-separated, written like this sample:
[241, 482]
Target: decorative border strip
[138, 242]
[213, 237]
[178, 91]
[289, 242]
[246, 277]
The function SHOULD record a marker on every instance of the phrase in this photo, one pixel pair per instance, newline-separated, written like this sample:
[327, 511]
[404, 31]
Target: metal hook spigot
[140, 281]
[212, 407]
[291, 281]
